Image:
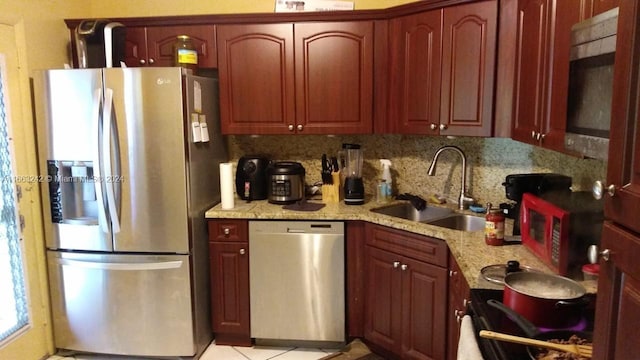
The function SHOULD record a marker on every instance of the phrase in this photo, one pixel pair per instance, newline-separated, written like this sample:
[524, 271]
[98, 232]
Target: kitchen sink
[460, 222]
[408, 212]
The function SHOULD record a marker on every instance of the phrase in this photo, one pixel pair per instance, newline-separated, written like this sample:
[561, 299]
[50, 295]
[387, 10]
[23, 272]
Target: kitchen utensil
[352, 158]
[547, 300]
[326, 170]
[531, 331]
[286, 182]
[496, 273]
[582, 350]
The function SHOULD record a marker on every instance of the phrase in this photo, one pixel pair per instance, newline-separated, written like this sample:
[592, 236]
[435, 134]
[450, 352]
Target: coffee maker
[537, 184]
[351, 161]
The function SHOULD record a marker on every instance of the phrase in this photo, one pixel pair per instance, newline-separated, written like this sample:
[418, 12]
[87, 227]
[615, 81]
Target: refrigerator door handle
[109, 177]
[97, 161]
[174, 264]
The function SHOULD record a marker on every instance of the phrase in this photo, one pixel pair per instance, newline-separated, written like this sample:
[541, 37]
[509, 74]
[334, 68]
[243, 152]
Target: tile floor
[223, 352]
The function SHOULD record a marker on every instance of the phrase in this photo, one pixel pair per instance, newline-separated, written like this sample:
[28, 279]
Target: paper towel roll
[226, 185]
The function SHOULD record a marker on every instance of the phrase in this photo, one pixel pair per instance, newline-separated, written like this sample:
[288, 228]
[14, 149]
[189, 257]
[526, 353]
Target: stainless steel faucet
[464, 199]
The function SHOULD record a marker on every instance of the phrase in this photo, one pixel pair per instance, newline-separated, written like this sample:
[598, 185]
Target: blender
[351, 160]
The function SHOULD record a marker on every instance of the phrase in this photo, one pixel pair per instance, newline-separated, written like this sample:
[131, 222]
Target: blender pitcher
[351, 160]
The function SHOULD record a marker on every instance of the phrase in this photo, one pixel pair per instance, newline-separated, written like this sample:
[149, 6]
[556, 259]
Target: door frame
[35, 341]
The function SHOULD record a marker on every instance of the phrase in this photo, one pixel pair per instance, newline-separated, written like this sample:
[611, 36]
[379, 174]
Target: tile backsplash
[489, 161]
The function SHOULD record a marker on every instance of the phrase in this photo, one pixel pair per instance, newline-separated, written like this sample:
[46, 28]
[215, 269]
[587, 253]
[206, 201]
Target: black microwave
[591, 66]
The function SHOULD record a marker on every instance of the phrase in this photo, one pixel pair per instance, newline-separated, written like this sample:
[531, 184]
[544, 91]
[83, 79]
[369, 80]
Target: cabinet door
[565, 13]
[459, 293]
[531, 69]
[415, 73]
[230, 292]
[334, 77]
[623, 166]
[423, 310]
[257, 94]
[382, 305]
[160, 42]
[135, 53]
[468, 63]
[618, 301]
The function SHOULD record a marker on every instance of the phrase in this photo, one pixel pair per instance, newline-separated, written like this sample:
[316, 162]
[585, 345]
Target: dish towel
[468, 345]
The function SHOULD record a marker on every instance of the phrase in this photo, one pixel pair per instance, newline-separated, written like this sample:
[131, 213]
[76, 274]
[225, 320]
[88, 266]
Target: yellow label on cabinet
[187, 56]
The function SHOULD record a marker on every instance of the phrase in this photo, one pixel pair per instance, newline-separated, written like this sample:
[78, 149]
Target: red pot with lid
[547, 300]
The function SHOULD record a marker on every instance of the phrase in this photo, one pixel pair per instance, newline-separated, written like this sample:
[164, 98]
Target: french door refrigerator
[126, 182]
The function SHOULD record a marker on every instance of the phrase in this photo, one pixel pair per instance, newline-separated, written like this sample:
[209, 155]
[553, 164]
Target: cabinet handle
[599, 189]
[142, 62]
[404, 267]
[151, 61]
[242, 251]
[433, 126]
[533, 134]
[290, 127]
[226, 232]
[452, 273]
[396, 264]
[443, 127]
[299, 127]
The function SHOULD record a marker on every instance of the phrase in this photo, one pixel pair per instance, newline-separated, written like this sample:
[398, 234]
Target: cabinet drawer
[418, 247]
[228, 230]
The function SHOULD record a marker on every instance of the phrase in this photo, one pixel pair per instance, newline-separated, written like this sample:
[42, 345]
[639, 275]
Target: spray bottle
[386, 185]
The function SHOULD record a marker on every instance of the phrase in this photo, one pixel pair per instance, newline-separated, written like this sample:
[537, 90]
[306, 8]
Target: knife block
[332, 193]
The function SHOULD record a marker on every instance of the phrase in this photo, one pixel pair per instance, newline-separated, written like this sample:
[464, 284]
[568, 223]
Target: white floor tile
[262, 352]
[221, 352]
[302, 354]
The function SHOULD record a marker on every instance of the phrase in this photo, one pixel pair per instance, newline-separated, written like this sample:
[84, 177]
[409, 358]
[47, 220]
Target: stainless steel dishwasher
[297, 281]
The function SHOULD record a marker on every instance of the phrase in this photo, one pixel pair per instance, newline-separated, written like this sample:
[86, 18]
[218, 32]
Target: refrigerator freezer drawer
[122, 304]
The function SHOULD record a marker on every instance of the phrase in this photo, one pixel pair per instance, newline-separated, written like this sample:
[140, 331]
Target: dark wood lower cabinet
[229, 261]
[459, 293]
[405, 302]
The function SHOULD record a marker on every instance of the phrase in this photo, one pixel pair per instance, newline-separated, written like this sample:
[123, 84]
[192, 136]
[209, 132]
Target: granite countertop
[468, 248]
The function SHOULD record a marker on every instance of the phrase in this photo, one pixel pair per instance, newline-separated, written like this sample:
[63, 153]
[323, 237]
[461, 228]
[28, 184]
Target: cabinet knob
[299, 127]
[465, 302]
[290, 127]
[452, 273]
[242, 251]
[538, 136]
[226, 231]
[599, 189]
[542, 137]
[142, 62]
[443, 127]
[396, 264]
[404, 267]
[605, 254]
[433, 126]
[533, 134]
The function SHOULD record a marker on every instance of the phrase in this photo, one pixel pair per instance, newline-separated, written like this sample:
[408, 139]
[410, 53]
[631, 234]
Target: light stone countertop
[468, 248]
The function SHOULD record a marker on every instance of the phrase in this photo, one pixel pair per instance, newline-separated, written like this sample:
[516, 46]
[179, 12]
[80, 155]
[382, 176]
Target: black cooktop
[486, 317]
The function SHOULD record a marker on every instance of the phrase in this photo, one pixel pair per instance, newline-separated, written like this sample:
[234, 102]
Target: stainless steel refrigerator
[126, 182]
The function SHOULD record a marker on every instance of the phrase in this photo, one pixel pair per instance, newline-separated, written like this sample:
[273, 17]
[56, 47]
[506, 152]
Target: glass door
[23, 308]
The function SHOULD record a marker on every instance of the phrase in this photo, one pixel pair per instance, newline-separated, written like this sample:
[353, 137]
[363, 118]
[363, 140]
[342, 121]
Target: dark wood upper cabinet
[618, 301]
[542, 71]
[327, 89]
[256, 71]
[415, 59]
[468, 69]
[153, 46]
[589, 8]
[334, 77]
[442, 71]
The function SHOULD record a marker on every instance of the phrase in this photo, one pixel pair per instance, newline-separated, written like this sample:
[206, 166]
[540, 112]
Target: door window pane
[13, 299]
